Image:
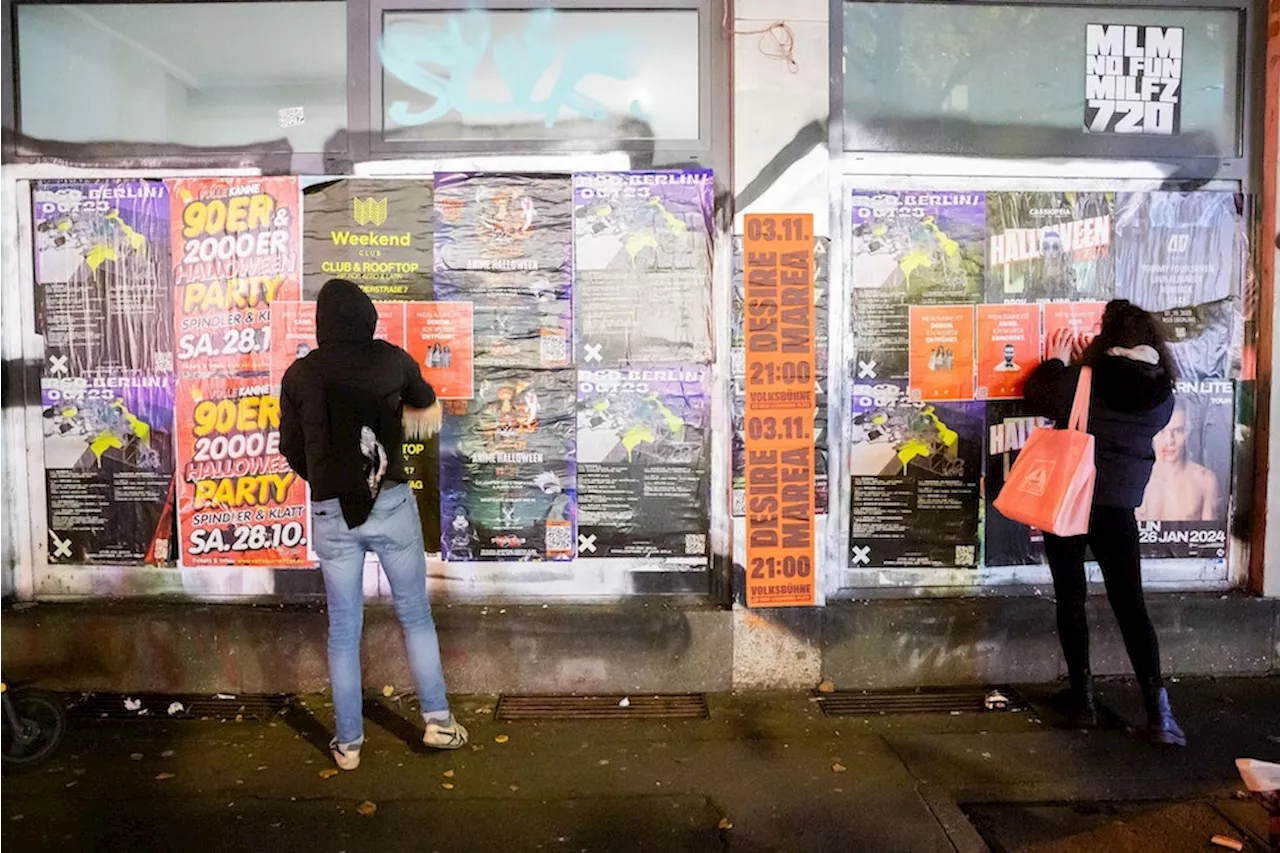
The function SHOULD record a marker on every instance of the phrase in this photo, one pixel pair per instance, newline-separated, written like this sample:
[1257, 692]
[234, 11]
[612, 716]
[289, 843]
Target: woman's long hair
[1126, 325]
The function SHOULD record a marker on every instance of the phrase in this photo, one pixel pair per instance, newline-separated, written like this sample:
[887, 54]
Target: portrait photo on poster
[1185, 508]
[1049, 246]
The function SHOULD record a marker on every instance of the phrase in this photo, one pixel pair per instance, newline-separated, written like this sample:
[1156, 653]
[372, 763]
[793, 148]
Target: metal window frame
[700, 149]
[269, 156]
[1100, 148]
[363, 140]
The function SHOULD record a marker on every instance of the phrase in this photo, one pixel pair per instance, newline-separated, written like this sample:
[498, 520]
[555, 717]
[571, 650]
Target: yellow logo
[368, 211]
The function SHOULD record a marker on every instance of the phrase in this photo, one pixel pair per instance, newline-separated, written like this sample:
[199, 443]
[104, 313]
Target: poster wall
[1048, 262]
[778, 270]
[172, 311]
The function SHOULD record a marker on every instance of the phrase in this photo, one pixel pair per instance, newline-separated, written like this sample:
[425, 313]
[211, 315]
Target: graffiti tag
[443, 62]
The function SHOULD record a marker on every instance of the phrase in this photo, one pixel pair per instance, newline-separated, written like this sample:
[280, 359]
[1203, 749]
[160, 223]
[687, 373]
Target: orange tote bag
[1050, 487]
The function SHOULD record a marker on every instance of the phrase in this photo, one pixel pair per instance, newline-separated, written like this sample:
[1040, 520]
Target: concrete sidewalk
[764, 772]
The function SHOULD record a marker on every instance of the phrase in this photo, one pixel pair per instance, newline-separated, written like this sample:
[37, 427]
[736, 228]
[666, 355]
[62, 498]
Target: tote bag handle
[1080, 407]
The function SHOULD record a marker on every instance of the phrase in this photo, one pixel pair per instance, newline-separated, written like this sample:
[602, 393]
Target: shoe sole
[1167, 739]
[447, 747]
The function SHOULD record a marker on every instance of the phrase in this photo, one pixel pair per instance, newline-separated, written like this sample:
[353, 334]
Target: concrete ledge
[931, 642]
[262, 649]
[641, 645]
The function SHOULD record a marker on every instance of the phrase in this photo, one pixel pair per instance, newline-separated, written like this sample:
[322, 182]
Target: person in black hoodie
[1132, 400]
[342, 410]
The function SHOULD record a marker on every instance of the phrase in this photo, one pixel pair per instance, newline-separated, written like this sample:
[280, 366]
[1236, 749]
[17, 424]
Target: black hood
[1129, 386]
[344, 314]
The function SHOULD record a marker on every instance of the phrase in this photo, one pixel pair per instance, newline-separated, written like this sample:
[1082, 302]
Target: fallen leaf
[838, 768]
[137, 756]
[176, 708]
[239, 718]
[514, 787]
[367, 808]
[132, 704]
[827, 686]
[501, 739]
[602, 762]
[160, 777]
[388, 691]
[261, 767]
[625, 703]
[448, 786]
[448, 774]
[725, 823]
[168, 753]
[328, 773]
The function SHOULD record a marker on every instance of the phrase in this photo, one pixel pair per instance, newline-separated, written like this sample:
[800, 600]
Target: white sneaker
[450, 736]
[346, 759]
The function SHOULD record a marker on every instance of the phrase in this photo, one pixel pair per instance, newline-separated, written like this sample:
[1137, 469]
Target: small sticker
[292, 117]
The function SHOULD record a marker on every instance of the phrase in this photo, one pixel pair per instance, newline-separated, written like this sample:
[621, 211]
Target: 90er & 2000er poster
[916, 469]
[239, 503]
[508, 468]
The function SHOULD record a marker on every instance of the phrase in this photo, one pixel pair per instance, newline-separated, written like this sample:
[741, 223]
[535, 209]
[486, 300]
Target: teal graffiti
[441, 62]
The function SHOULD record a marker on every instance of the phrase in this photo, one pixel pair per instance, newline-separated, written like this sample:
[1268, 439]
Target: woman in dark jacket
[1133, 388]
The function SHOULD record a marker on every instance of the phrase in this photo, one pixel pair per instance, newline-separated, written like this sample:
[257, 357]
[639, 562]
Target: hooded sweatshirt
[1131, 401]
[341, 405]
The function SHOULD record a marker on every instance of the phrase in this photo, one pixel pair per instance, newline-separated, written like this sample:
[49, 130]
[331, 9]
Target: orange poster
[1008, 349]
[780, 399]
[1082, 319]
[293, 331]
[941, 361]
[239, 502]
[440, 336]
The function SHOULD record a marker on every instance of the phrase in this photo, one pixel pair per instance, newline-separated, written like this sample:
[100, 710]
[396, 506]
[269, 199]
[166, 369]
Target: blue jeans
[394, 533]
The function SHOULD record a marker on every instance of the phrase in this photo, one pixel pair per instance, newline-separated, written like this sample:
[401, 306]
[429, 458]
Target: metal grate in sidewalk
[619, 707]
[169, 706]
[859, 703]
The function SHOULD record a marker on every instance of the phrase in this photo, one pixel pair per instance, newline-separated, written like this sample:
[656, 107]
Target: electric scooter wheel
[42, 723]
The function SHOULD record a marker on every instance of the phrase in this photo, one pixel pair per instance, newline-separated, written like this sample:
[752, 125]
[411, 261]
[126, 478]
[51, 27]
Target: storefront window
[208, 75]
[955, 78]
[545, 74]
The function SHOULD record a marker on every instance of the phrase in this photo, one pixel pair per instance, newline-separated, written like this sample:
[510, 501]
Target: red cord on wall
[777, 41]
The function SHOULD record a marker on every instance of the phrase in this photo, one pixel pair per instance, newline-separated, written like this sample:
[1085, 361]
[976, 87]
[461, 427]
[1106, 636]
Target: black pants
[1113, 535]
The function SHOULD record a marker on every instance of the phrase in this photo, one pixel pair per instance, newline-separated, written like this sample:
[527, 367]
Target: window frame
[363, 140]
[1094, 149]
[699, 149]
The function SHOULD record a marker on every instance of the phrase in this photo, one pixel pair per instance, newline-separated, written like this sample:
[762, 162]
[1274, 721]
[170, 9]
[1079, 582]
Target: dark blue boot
[1162, 728]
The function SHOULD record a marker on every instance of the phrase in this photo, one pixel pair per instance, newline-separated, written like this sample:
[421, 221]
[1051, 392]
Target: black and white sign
[1133, 79]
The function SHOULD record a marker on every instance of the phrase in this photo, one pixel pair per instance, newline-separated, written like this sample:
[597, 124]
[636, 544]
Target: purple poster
[644, 462]
[108, 448]
[103, 277]
[927, 244]
[642, 267]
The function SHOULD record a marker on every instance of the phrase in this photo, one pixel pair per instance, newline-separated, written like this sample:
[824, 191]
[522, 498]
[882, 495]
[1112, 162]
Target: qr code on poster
[966, 555]
[559, 539]
[164, 362]
[554, 348]
[695, 544]
[739, 502]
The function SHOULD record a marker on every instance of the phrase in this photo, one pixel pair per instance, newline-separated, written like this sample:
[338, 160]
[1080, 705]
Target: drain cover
[858, 703]
[157, 706]
[650, 706]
